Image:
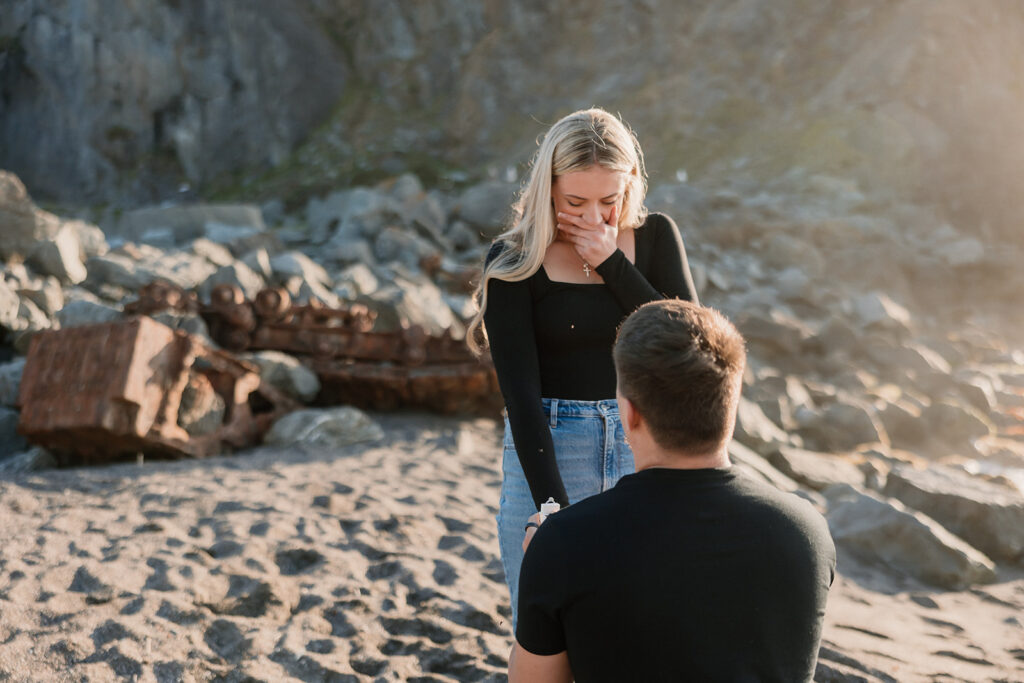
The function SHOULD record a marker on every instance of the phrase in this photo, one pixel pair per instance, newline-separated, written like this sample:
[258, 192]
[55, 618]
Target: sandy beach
[376, 562]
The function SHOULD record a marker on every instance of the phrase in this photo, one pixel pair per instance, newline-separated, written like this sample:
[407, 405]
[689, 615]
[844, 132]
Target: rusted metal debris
[99, 391]
[355, 364]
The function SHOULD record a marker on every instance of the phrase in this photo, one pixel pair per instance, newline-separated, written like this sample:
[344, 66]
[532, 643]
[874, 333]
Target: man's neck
[680, 460]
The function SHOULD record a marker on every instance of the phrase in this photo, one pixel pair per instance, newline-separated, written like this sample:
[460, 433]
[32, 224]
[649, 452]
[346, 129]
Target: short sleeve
[542, 593]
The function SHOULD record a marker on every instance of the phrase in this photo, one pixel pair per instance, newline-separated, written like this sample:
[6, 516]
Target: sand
[373, 562]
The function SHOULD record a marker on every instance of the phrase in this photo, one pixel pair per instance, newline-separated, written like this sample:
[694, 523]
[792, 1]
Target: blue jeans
[591, 453]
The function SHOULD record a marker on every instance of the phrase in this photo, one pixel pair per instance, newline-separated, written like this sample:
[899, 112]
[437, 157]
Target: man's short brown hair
[681, 365]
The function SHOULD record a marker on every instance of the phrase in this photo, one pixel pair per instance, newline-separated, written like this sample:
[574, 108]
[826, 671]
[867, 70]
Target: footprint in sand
[227, 641]
[297, 560]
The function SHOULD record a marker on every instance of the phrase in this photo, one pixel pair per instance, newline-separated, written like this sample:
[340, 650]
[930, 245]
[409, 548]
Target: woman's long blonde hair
[575, 143]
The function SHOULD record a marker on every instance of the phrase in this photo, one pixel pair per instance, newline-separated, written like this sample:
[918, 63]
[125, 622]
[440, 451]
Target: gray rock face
[133, 266]
[202, 409]
[328, 428]
[906, 541]
[9, 304]
[285, 373]
[987, 516]
[955, 424]
[296, 264]
[202, 96]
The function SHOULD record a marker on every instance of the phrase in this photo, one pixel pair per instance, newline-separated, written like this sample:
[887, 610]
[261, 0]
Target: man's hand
[530, 531]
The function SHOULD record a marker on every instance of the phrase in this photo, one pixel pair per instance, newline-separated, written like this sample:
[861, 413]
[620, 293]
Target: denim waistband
[565, 407]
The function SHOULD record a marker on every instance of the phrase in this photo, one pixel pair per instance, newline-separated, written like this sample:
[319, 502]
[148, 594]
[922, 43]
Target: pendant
[586, 268]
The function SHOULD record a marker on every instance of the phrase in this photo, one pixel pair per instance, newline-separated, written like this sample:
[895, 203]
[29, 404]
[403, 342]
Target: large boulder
[31, 460]
[487, 206]
[412, 300]
[22, 225]
[236, 274]
[9, 305]
[351, 214]
[955, 424]
[816, 470]
[329, 428]
[134, 265]
[886, 533]
[988, 516]
[296, 264]
[877, 310]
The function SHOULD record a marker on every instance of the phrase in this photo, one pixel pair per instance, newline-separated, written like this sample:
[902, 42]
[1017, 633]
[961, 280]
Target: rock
[135, 265]
[962, 252]
[842, 426]
[781, 250]
[989, 517]
[461, 236]
[412, 301]
[759, 468]
[876, 309]
[324, 428]
[351, 214]
[776, 332]
[91, 239]
[793, 283]
[60, 256]
[202, 409]
[355, 281]
[10, 303]
[48, 296]
[348, 251]
[903, 424]
[393, 244]
[10, 440]
[487, 206]
[192, 323]
[217, 254]
[77, 313]
[816, 470]
[258, 261]
[237, 274]
[240, 239]
[914, 359]
[886, 533]
[10, 382]
[285, 373]
[955, 424]
[296, 264]
[186, 223]
[33, 459]
[22, 225]
[756, 431]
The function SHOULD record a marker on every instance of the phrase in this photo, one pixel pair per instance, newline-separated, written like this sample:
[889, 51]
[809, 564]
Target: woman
[582, 253]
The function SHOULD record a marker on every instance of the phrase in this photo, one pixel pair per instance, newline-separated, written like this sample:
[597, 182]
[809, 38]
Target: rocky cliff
[919, 98]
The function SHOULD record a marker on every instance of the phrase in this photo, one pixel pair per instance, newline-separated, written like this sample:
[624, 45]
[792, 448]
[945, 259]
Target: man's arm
[526, 667]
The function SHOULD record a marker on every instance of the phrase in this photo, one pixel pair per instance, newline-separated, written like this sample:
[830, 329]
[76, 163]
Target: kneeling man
[688, 569]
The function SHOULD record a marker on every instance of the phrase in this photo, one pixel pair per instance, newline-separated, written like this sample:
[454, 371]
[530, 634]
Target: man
[688, 569]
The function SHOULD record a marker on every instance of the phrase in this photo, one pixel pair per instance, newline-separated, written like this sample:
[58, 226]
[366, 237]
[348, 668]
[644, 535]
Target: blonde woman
[581, 254]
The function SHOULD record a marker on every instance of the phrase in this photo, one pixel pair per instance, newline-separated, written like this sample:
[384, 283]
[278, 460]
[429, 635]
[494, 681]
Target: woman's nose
[592, 214]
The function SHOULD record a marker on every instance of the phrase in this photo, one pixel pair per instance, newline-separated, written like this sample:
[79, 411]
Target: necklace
[586, 266]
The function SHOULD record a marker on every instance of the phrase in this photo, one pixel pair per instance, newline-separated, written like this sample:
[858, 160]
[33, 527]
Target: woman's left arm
[668, 276]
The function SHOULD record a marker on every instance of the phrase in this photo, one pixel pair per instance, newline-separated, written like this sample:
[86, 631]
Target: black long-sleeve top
[554, 339]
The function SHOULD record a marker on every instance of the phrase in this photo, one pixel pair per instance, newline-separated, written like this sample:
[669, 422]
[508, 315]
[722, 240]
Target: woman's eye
[611, 203]
[575, 204]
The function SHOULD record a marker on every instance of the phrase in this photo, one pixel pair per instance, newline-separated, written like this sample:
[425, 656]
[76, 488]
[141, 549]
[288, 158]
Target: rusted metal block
[467, 388]
[103, 390]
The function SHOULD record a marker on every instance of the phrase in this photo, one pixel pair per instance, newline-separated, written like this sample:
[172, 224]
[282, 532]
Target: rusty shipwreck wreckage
[111, 389]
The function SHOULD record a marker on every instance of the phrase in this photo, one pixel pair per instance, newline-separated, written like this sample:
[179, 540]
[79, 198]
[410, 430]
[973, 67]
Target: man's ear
[628, 413]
